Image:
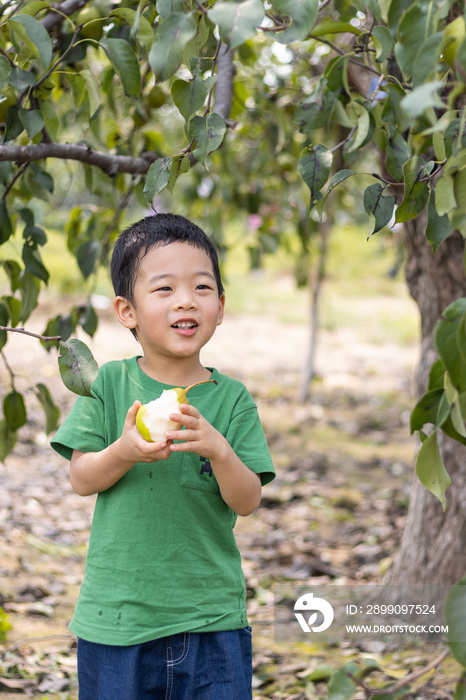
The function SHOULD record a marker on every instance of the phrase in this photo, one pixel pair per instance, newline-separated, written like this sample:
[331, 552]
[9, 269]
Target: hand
[199, 435]
[134, 447]
[240, 488]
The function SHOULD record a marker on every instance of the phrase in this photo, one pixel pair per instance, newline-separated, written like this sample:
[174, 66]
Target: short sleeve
[246, 436]
[84, 427]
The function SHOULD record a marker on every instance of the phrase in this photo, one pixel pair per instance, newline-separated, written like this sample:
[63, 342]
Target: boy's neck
[174, 373]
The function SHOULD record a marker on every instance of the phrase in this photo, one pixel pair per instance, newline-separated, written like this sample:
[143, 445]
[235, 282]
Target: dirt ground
[335, 512]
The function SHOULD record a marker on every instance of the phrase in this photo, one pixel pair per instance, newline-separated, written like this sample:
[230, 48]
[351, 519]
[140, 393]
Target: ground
[335, 512]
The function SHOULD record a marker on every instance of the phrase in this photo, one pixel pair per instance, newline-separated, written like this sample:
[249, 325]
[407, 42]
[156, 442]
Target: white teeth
[184, 325]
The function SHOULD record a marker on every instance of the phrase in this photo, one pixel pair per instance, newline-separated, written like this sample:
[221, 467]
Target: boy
[161, 611]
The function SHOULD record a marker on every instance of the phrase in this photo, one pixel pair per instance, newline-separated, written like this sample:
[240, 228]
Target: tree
[106, 104]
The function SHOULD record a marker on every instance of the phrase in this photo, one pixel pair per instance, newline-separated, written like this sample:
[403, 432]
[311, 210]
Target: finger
[130, 419]
[187, 421]
[183, 435]
[189, 410]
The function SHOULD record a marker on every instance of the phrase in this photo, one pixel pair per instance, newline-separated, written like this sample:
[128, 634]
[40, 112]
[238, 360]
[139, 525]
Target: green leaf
[13, 123]
[208, 133]
[416, 193]
[189, 96]
[52, 412]
[422, 98]
[314, 167]
[398, 152]
[457, 216]
[14, 410]
[237, 21]
[125, 63]
[6, 228]
[320, 673]
[455, 407]
[33, 261]
[362, 129]
[447, 337]
[92, 91]
[34, 35]
[78, 368]
[383, 42]
[88, 319]
[32, 8]
[7, 440]
[341, 686]
[455, 137]
[3, 322]
[445, 195]
[157, 178]
[300, 15]
[340, 176]
[336, 73]
[430, 469]
[455, 617]
[14, 310]
[29, 288]
[32, 120]
[62, 325]
[50, 115]
[310, 116]
[425, 60]
[416, 24]
[167, 7]
[180, 165]
[5, 71]
[378, 206]
[87, 256]
[449, 429]
[438, 227]
[429, 409]
[171, 36]
[141, 28]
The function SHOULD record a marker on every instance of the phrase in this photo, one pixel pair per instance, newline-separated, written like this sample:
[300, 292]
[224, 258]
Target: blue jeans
[189, 666]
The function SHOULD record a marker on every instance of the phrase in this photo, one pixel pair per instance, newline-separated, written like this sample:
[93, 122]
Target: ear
[125, 312]
[221, 309]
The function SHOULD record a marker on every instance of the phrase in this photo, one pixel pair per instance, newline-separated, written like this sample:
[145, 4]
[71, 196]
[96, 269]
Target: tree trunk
[433, 544]
[308, 372]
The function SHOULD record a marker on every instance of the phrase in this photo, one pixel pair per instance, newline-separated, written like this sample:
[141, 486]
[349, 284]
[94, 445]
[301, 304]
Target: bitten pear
[152, 419]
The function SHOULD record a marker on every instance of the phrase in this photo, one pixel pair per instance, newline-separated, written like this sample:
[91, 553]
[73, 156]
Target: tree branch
[23, 331]
[110, 164]
[224, 85]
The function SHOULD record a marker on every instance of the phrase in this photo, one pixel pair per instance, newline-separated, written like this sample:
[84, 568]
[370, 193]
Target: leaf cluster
[443, 406]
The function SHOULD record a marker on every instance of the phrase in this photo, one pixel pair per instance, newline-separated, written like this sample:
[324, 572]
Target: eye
[163, 289]
[203, 287]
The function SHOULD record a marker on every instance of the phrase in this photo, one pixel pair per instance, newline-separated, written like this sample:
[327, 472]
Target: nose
[185, 299]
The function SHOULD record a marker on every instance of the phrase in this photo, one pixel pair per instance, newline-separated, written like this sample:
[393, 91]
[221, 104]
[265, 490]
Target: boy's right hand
[93, 472]
[135, 447]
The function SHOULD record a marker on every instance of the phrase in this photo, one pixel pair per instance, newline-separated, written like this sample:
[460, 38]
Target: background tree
[104, 104]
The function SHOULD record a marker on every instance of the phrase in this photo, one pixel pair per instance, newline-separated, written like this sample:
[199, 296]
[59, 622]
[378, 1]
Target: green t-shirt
[162, 555]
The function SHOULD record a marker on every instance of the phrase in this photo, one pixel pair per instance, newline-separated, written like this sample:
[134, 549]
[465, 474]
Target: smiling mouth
[185, 325]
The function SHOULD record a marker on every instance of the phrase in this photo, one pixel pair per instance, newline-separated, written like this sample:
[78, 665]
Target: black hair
[158, 230]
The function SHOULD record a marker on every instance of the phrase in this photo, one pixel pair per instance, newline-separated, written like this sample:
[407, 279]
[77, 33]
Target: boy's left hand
[239, 486]
[199, 435]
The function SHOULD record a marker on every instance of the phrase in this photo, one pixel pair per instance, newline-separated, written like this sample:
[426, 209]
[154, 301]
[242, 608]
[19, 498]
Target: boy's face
[176, 305]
